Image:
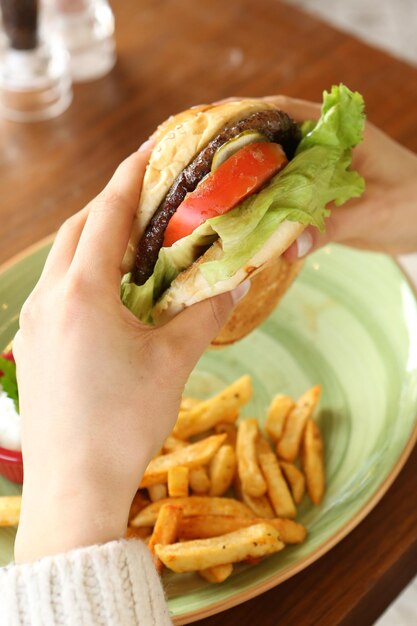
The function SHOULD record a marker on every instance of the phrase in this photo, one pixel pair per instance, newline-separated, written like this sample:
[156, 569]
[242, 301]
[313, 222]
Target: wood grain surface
[172, 55]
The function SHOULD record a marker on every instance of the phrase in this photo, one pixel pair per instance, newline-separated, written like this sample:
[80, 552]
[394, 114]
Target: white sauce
[9, 423]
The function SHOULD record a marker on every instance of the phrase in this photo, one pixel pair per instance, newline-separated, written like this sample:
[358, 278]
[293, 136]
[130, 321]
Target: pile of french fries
[221, 491]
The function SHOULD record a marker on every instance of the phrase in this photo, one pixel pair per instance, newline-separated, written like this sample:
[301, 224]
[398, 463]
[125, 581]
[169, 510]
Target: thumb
[193, 329]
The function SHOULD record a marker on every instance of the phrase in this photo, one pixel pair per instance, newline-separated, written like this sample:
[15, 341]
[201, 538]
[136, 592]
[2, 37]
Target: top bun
[178, 140]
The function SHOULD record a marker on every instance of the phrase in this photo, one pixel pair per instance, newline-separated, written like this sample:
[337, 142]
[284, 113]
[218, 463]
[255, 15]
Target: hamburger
[227, 189]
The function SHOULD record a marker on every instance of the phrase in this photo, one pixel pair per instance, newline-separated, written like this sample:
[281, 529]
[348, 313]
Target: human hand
[385, 217]
[99, 391]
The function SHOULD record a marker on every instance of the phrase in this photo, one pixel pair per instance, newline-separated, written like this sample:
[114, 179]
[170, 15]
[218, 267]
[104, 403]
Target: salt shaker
[86, 28]
[35, 83]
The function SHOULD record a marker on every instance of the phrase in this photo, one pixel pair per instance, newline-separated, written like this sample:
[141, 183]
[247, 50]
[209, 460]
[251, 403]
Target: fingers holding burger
[228, 188]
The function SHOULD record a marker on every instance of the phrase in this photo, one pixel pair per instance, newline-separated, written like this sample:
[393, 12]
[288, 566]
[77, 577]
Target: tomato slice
[238, 177]
[9, 357]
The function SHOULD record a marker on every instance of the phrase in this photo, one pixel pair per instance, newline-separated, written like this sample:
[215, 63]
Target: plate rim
[256, 590]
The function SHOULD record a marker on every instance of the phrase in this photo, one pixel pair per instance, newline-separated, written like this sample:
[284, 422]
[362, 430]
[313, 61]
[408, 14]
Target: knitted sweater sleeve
[104, 585]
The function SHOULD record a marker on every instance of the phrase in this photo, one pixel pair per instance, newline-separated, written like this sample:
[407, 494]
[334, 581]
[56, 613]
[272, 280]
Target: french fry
[221, 470]
[178, 481]
[194, 505]
[190, 556]
[253, 483]
[173, 443]
[142, 533]
[194, 455]
[205, 526]
[165, 530]
[313, 462]
[10, 510]
[289, 445]
[217, 574]
[222, 408]
[277, 413]
[261, 506]
[199, 480]
[157, 492]
[278, 491]
[188, 403]
[138, 503]
[295, 479]
[198, 476]
[230, 428]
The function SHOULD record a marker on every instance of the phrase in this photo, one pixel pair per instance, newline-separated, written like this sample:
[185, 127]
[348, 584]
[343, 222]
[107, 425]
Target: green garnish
[9, 381]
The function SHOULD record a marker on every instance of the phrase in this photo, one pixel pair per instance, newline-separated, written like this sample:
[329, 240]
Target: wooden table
[172, 55]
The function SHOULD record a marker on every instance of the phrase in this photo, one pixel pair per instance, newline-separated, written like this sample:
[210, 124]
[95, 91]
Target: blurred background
[388, 24]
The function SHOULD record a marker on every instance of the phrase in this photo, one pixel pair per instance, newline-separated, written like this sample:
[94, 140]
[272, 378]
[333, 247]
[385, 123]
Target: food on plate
[229, 186]
[172, 443]
[217, 574]
[288, 446]
[260, 506]
[313, 462]
[9, 510]
[230, 429]
[204, 526]
[9, 404]
[139, 502]
[250, 474]
[221, 408]
[278, 490]
[254, 541]
[196, 507]
[199, 480]
[193, 455]
[295, 479]
[165, 530]
[278, 410]
[245, 460]
[157, 492]
[222, 470]
[178, 481]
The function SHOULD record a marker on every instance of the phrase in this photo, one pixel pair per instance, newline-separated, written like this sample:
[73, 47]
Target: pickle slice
[233, 145]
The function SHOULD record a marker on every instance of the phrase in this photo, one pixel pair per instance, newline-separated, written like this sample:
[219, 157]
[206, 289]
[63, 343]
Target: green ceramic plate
[350, 323]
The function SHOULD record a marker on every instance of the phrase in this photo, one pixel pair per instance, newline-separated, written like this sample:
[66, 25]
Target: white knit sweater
[114, 584]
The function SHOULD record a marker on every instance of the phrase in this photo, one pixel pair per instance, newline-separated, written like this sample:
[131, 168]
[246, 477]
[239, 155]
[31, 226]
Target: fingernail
[304, 244]
[240, 291]
[149, 143]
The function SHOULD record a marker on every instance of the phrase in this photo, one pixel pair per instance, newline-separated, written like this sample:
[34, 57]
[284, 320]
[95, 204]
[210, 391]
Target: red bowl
[11, 465]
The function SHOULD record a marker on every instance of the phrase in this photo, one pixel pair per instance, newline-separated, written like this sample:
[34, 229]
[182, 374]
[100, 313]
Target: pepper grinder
[35, 82]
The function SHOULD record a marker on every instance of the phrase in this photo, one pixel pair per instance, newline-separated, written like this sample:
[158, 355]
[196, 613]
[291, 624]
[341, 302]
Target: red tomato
[9, 357]
[238, 177]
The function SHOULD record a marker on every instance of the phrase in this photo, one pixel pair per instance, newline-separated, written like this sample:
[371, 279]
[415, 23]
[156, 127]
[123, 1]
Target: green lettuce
[318, 174]
[8, 380]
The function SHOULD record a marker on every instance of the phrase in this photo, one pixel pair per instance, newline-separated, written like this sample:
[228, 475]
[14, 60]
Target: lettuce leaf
[318, 174]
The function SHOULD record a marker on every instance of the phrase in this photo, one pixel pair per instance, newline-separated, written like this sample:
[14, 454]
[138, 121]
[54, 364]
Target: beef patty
[275, 125]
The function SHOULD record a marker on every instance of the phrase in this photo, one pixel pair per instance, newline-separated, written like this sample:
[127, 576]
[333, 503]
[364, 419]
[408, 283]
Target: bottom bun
[191, 286]
[268, 286]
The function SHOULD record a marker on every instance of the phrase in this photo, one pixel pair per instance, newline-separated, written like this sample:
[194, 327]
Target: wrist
[58, 518]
